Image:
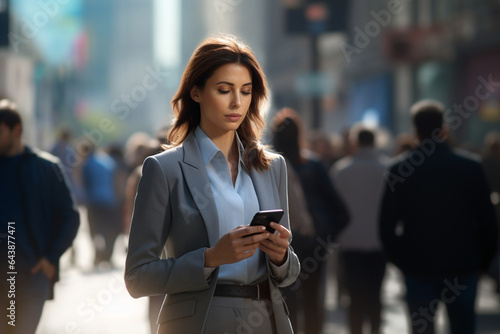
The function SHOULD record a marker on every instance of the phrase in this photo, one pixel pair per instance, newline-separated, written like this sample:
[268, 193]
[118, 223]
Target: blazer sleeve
[146, 273]
[293, 261]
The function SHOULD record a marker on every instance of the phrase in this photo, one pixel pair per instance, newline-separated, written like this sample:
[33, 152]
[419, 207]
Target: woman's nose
[236, 102]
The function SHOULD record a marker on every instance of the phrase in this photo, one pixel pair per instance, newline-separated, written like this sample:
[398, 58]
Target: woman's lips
[233, 117]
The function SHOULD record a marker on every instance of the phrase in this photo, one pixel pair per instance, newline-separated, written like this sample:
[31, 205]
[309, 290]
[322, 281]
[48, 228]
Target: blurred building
[21, 70]
[121, 80]
[246, 19]
[16, 84]
[288, 59]
[285, 57]
[83, 63]
[390, 54]
[336, 62]
[398, 52]
[307, 75]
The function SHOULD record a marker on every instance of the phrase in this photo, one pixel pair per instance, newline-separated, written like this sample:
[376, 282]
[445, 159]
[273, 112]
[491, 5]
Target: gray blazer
[174, 207]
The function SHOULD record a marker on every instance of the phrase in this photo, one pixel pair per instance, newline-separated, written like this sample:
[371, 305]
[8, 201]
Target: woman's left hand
[276, 246]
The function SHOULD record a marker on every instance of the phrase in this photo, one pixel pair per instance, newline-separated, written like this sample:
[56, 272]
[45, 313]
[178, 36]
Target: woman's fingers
[283, 231]
[276, 246]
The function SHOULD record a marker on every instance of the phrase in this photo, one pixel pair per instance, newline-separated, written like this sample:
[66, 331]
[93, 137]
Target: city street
[97, 302]
[90, 301]
[385, 115]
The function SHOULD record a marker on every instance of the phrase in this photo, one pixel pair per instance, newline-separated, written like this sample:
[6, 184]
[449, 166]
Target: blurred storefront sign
[435, 80]
[51, 26]
[489, 111]
[479, 89]
[418, 44]
[314, 84]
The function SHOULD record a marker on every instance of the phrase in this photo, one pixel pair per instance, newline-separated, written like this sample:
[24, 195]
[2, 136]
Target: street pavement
[90, 301]
[394, 316]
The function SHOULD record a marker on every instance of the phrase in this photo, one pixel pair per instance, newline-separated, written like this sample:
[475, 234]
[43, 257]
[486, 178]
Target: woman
[189, 237]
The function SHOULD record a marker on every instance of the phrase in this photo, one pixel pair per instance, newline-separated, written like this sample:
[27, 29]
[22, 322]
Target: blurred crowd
[336, 193]
[104, 181]
[337, 178]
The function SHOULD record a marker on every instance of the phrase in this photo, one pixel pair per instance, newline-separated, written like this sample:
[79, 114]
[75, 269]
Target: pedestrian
[404, 142]
[63, 149]
[102, 202]
[303, 234]
[306, 298]
[360, 181]
[437, 224]
[491, 163]
[151, 147]
[190, 237]
[38, 220]
[327, 149]
[144, 150]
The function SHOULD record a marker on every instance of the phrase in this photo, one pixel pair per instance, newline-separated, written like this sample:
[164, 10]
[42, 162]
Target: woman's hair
[211, 54]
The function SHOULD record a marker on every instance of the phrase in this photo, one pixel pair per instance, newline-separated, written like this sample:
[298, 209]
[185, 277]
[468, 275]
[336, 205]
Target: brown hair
[206, 59]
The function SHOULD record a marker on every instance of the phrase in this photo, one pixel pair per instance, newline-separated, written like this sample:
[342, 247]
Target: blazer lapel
[197, 181]
[265, 189]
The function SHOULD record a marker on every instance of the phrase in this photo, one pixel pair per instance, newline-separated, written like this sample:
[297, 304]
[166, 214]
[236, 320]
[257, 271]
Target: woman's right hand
[236, 245]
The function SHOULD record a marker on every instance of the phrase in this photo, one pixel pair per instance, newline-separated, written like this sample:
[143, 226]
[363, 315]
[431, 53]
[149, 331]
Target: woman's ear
[195, 93]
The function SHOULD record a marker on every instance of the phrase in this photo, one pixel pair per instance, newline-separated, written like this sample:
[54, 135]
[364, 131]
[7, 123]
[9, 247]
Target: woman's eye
[246, 93]
[223, 91]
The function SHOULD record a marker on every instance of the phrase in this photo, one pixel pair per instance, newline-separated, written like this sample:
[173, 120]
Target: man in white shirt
[359, 179]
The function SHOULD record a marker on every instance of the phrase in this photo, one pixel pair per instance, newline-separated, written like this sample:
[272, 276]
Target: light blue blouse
[235, 206]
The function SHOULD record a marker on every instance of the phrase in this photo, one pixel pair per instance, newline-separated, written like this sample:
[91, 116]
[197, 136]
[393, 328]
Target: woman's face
[225, 99]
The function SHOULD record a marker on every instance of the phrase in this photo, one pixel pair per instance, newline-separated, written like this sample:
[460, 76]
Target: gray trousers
[229, 315]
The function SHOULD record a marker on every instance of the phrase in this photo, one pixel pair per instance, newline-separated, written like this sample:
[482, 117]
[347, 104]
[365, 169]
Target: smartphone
[266, 217]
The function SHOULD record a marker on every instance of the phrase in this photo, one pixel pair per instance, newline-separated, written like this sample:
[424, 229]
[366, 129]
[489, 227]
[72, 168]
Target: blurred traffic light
[315, 17]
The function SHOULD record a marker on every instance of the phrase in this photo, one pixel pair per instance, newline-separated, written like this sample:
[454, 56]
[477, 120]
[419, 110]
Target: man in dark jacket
[38, 222]
[437, 224]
